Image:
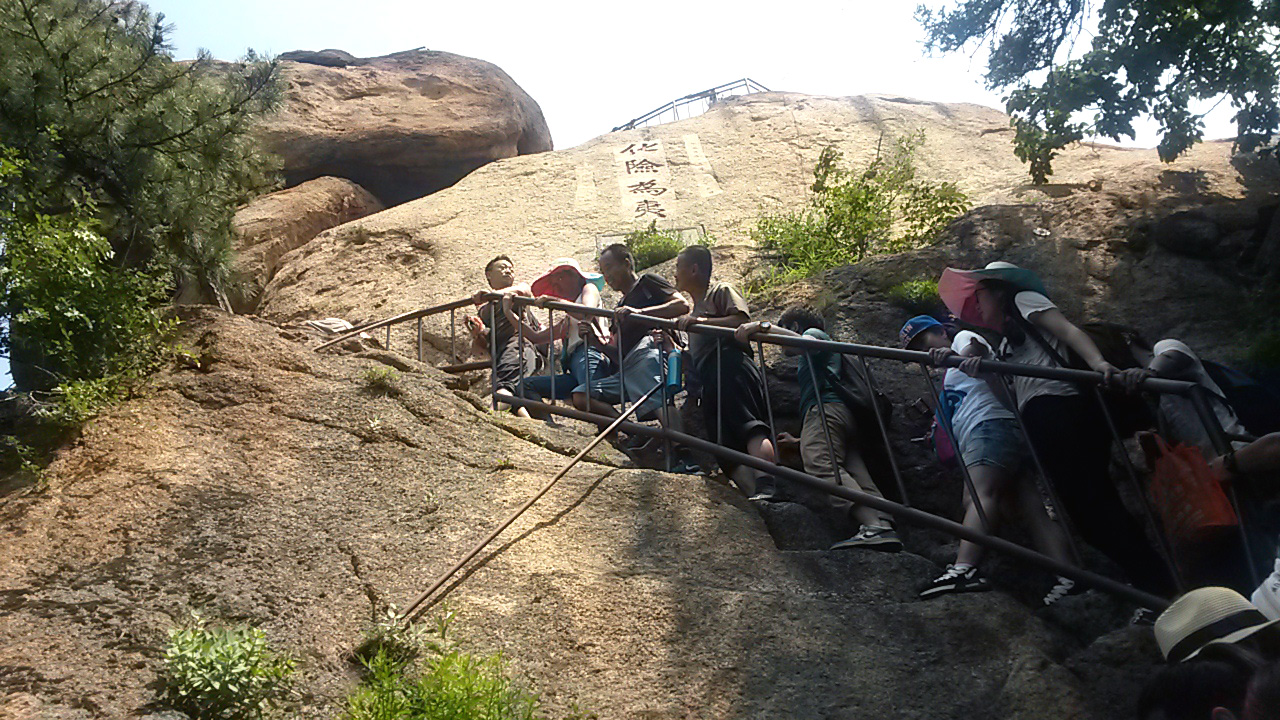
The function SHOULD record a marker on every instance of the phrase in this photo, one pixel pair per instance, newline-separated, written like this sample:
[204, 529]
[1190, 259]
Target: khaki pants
[817, 457]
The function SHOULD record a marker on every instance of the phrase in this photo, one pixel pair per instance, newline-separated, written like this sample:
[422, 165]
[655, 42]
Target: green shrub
[382, 381]
[98, 109]
[652, 246]
[223, 673]
[78, 401]
[882, 209]
[916, 296]
[452, 685]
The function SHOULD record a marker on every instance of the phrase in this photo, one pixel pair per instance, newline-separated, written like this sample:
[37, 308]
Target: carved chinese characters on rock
[643, 179]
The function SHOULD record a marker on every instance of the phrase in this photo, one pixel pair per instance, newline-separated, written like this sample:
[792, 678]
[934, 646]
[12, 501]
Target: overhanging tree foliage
[120, 171]
[1147, 57]
[99, 111]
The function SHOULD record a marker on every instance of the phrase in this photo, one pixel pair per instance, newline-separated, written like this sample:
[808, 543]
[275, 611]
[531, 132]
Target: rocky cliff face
[402, 125]
[259, 481]
[264, 483]
[715, 174]
[272, 225]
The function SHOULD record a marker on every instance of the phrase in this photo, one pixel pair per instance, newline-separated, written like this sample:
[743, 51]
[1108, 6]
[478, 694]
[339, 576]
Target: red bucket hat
[957, 287]
[544, 286]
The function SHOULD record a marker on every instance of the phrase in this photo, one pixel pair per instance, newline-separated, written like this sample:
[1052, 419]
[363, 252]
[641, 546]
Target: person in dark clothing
[732, 396]
[493, 332]
[637, 350]
[1064, 422]
[830, 446]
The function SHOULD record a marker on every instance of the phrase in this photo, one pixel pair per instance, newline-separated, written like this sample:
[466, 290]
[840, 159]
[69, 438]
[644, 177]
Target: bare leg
[857, 467]
[744, 477]
[505, 393]
[1047, 535]
[1260, 457]
[989, 482]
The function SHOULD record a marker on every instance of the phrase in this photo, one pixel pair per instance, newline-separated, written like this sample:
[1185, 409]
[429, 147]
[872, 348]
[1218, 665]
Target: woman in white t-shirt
[990, 444]
[1065, 425]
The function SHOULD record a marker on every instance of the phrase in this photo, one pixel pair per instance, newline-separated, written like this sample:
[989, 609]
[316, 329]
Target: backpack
[1255, 405]
[944, 446]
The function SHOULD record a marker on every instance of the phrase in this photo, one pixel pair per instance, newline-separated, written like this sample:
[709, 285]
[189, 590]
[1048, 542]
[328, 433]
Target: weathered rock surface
[402, 125]
[718, 171]
[273, 224]
[265, 484]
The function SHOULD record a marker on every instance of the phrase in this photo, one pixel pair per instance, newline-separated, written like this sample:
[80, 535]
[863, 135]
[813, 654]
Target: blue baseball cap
[915, 326]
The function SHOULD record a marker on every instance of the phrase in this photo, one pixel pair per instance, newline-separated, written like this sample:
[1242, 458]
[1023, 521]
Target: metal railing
[902, 511]
[704, 99]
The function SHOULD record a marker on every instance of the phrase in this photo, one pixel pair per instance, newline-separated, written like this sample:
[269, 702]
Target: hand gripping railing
[1087, 379]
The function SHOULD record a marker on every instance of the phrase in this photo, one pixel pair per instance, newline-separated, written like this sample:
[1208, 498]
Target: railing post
[453, 336]
[822, 414]
[586, 341]
[388, 345]
[1165, 547]
[622, 374]
[719, 386]
[666, 409]
[955, 443]
[493, 351]
[1221, 445]
[519, 345]
[884, 431]
[764, 380]
[419, 339]
[551, 353]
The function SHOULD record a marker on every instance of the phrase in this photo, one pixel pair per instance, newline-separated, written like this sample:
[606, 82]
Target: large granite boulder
[274, 224]
[403, 125]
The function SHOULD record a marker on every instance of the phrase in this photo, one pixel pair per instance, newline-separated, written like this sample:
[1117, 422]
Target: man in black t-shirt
[637, 347]
[494, 330]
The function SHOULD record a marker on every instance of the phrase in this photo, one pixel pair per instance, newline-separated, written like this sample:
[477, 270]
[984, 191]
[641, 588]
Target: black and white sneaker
[766, 490]
[1062, 588]
[872, 537]
[955, 580]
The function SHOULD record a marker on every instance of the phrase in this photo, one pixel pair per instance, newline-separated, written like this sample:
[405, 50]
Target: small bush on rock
[882, 209]
[916, 296]
[444, 683]
[223, 673]
[381, 381]
[652, 246]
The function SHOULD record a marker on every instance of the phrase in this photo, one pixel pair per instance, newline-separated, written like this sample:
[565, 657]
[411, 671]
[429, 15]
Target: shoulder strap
[1033, 332]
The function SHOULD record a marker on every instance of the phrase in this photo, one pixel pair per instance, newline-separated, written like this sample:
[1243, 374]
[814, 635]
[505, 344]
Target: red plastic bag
[1186, 493]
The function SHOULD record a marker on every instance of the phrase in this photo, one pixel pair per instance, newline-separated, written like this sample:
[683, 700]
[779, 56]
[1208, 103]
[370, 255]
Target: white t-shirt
[977, 403]
[1030, 352]
[1180, 413]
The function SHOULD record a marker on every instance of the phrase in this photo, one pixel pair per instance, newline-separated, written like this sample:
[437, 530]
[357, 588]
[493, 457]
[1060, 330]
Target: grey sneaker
[1062, 588]
[872, 537]
[955, 580]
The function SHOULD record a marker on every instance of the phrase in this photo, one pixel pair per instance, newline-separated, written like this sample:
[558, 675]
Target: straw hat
[544, 286]
[956, 287]
[1205, 616]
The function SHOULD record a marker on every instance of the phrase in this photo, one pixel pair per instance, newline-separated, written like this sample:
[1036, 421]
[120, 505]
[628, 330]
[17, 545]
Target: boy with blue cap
[989, 442]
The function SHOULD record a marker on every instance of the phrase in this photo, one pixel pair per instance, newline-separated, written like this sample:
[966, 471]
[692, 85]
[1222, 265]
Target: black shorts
[742, 410]
[510, 358]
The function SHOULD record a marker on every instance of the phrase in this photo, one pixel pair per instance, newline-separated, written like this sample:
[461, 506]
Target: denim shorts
[996, 442]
